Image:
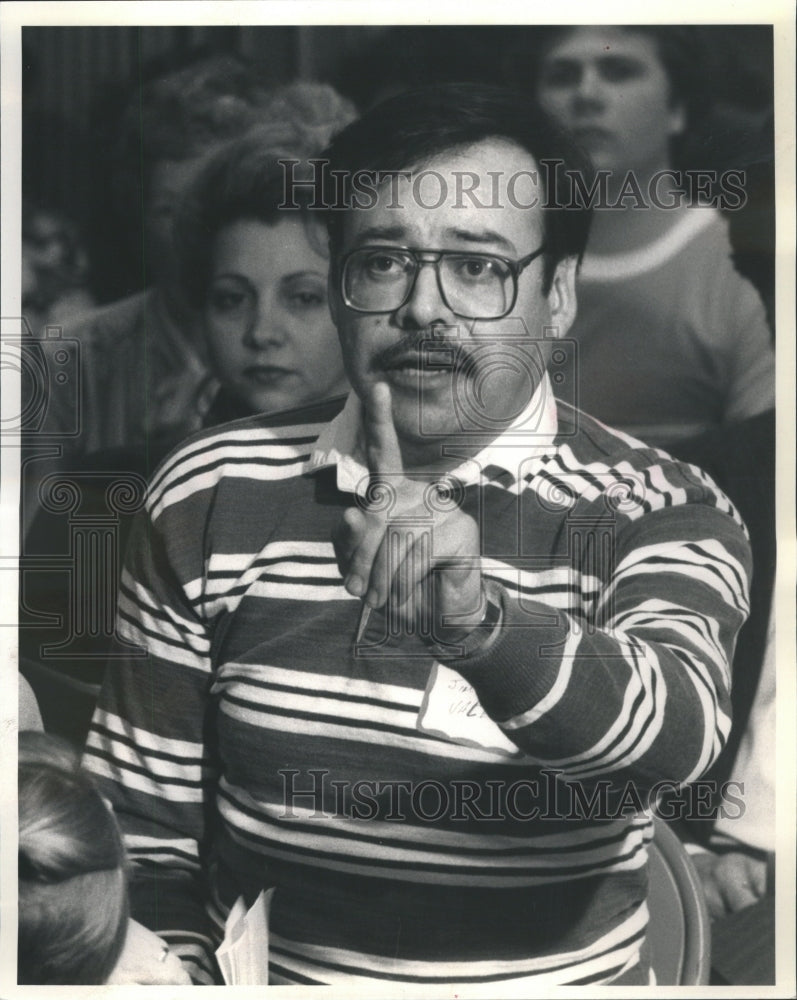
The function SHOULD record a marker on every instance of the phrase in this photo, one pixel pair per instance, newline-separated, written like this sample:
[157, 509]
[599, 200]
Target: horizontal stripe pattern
[620, 608]
[300, 962]
[246, 454]
[412, 853]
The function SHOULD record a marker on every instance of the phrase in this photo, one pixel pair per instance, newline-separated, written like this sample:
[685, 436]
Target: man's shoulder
[620, 471]
[265, 447]
[590, 440]
[300, 425]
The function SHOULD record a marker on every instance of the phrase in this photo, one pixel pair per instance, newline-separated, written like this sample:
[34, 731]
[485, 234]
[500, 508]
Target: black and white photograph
[398, 498]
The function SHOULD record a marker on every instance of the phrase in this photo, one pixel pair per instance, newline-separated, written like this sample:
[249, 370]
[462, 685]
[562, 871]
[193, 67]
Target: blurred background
[78, 80]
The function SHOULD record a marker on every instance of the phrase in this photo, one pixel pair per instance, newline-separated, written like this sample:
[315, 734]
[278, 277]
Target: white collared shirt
[532, 433]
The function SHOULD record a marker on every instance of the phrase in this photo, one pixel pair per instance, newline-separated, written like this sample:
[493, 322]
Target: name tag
[452, 711]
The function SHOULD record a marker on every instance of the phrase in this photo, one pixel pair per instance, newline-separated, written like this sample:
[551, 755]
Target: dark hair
[406, 131]
[683, 57]
[246, 180]
[73, 903]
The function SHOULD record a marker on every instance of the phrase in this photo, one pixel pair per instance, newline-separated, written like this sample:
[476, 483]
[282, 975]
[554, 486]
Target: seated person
[732, 845]
[142, 361]
[421, 659]
[734, 868]
[258, 277]
[73, 905]
[55, 269]
[257, 280]
[672, 340]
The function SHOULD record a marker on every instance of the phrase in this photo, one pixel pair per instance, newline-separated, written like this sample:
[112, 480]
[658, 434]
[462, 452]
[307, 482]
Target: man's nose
[425, 305]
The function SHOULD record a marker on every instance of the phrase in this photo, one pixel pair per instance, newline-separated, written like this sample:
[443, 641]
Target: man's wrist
[457, 641]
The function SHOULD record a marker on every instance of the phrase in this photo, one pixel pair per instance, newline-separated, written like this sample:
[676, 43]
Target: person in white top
[672, 340]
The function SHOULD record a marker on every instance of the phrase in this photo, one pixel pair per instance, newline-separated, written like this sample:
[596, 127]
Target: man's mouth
[436, 361]
[418, 364]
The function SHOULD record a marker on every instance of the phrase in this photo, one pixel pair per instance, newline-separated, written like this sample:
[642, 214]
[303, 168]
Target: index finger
[381, 441]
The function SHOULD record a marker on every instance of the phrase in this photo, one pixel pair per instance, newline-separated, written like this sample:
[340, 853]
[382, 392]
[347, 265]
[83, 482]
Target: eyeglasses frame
[516, 268]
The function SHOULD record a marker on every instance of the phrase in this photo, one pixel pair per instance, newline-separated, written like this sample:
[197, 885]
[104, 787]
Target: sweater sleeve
[639, 690]
[148, 746]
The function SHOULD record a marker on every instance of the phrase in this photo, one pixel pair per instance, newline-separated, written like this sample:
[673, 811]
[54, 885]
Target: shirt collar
[531, 434]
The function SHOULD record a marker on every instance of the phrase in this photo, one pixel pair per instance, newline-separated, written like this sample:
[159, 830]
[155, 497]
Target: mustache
[418, 342]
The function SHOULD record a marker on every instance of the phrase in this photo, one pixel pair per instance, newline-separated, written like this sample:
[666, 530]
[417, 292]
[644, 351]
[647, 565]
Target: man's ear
[332, 290]
[562, 296]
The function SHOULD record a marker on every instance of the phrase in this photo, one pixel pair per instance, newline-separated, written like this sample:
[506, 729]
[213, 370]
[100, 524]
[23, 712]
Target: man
[420, 662]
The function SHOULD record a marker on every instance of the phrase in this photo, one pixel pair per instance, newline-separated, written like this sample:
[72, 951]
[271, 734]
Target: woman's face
[609, 88]
[270, 335]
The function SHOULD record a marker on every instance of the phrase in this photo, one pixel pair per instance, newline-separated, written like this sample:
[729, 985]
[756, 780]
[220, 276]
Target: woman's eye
[226, 301]
[308, 300]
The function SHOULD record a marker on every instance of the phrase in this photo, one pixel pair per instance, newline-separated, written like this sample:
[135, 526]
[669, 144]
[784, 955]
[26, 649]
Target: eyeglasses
[379, 279]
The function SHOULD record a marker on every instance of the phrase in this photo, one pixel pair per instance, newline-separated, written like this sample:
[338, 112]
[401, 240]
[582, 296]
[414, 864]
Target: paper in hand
[243, 954]
[451, 710]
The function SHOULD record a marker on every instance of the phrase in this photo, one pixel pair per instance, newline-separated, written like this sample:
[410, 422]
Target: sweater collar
[532, 433]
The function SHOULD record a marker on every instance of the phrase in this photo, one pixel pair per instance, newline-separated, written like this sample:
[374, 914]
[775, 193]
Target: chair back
[679, 932]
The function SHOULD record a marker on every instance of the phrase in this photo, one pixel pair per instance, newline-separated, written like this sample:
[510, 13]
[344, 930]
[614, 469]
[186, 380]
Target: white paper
[451, 710]
[243, 954]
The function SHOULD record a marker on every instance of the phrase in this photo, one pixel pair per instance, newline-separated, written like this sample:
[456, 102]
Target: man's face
[495, 365]
[610, 89]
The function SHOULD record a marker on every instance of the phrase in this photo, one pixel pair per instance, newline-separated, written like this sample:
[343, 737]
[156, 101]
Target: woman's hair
[247, 180]
[182, 114]
[73, 903]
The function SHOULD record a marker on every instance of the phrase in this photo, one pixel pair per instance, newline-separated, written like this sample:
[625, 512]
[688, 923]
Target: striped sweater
[473, 821]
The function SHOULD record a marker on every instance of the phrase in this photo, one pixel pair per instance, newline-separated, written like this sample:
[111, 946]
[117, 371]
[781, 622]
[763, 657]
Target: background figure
[258, 272]
[672, 340]
[735, 867]
[741, 459]
[55, 269]
[141, 360]
[73, 907]
[255, 277]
